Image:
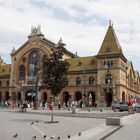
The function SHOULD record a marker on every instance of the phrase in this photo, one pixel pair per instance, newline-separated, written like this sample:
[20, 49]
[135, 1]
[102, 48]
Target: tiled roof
[82, 63]
[110, 43]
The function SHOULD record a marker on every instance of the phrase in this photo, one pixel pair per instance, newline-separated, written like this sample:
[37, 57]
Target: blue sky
[82, 24]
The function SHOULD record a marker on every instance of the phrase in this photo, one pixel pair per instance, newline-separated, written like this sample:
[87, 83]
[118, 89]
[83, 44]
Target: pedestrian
[130, 105]
[59, 105]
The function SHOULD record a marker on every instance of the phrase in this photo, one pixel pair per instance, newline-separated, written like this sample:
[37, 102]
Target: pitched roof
[110, 43]
[82, 63]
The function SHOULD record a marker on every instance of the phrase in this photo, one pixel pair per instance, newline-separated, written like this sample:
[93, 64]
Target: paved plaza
[33, 123]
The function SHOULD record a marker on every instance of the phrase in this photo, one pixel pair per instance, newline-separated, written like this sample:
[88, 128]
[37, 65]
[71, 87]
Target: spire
[110, 43]
[13, 50]
[61, 43]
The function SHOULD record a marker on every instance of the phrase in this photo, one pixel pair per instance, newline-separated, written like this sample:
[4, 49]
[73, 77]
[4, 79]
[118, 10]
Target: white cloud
[82, 24]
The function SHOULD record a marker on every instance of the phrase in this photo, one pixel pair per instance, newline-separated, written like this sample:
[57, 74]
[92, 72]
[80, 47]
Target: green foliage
[56, 70]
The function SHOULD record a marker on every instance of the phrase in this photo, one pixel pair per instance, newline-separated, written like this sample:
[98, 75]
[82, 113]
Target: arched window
[0, 83]
[108, 79]
[78, 81]
[33, 62]
[22, 72]
[91, 81]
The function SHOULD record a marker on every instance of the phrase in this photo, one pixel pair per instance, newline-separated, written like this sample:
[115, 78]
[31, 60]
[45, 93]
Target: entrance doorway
[108, 97]
[44, 98]
[78, 96]
[66, 97]
[30, 96]
[19, 95]
[7, 96]
[123, 96]
[92, 94]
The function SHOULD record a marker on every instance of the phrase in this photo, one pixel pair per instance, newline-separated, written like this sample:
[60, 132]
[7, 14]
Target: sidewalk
[131, 124]
[94, 113]
[79, 113]
[129, 130]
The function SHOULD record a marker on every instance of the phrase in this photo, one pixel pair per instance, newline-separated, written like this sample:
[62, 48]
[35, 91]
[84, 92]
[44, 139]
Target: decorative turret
[60, 43]
[13, 50]
[110, 43]
[36, 31]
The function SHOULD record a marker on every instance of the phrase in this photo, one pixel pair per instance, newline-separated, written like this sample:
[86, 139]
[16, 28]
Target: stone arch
[78, 96]
[7, 95]
[93, 96]
[30, 96]
[66, 97]
[26, 51]
[44, 97]
[108, 97]
[19, 95]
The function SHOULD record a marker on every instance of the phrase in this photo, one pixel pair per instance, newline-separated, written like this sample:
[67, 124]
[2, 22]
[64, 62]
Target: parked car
[120, 106]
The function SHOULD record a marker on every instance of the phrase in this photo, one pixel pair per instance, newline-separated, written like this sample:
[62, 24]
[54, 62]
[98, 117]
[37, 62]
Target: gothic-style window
[108, 63]
[22, 72]
[108, 79]
[91, 81]
[78, 81]
[33, 62]
[0, 83]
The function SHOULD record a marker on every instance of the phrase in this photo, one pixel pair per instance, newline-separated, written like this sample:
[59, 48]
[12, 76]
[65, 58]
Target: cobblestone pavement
[90, 124]
[18, 122]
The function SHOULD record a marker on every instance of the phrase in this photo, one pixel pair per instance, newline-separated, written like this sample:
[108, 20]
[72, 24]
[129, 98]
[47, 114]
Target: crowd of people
[24, 105]
[132, 104]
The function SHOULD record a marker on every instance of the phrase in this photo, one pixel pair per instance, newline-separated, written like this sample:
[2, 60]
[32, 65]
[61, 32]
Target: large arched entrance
[123, 96]
[78, 96]
[66, 97]
[19, 95]
[44, 97]
[108, 97]
[92, 94]
[7, 96]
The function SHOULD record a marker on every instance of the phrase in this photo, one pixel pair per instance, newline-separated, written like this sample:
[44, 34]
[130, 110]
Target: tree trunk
[52, 114]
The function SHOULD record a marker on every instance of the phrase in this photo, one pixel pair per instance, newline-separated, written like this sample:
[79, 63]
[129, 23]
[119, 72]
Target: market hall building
[105, 77]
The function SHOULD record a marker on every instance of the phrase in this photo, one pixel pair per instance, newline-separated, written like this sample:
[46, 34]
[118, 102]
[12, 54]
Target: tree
[55, 72]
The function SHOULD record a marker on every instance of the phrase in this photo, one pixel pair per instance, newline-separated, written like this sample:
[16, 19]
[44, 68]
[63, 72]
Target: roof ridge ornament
[60, 43]
[35, 31]
[110, 23]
